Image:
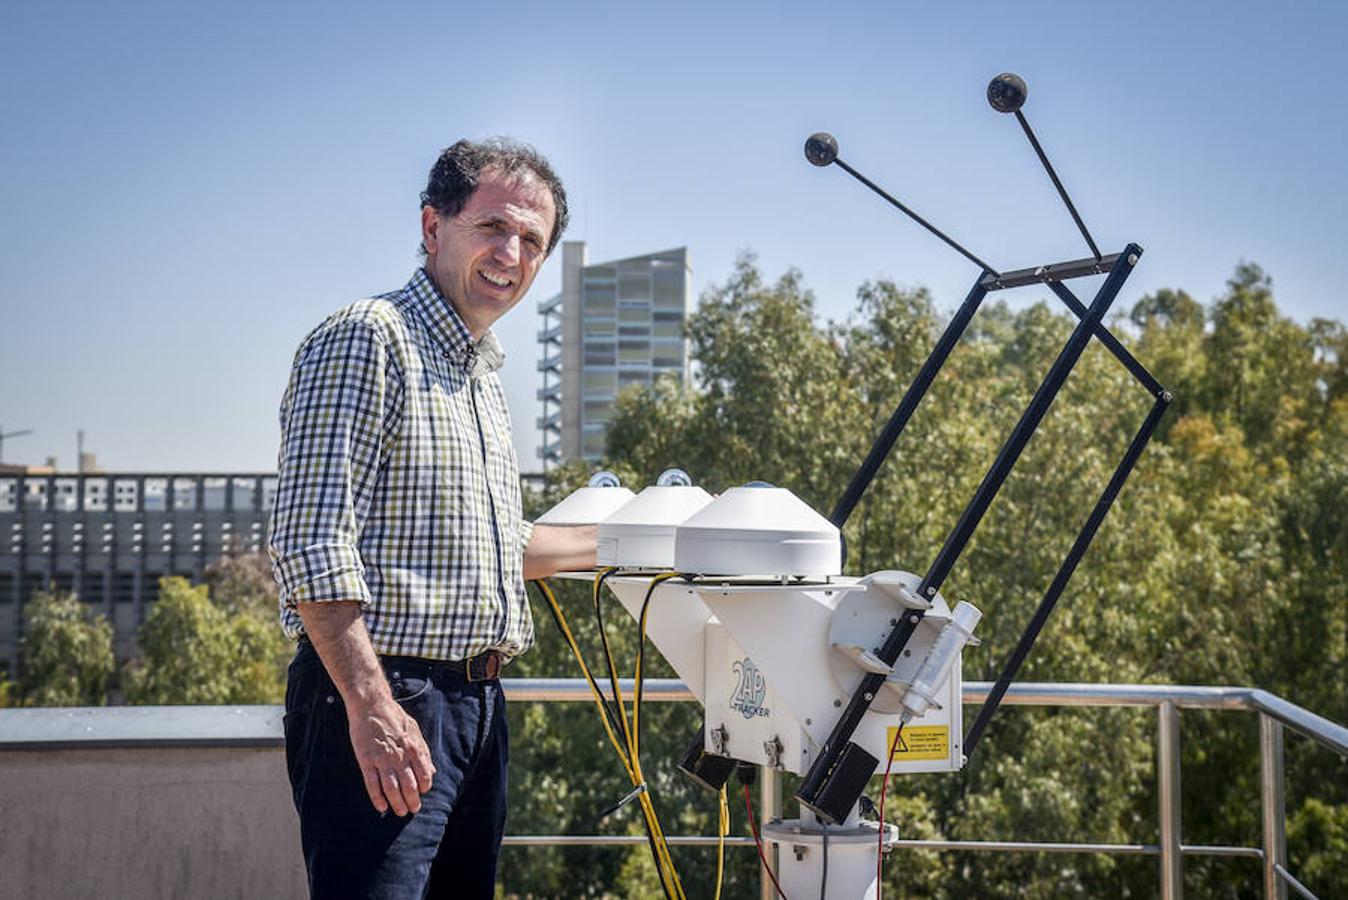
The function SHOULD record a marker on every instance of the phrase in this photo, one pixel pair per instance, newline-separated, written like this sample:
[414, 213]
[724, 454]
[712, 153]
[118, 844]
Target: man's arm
[389, 748]
[339, 412]
[555, 548]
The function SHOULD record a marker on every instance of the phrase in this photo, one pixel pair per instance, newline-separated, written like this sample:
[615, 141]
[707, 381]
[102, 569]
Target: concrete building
[614, 324]
[109, 538]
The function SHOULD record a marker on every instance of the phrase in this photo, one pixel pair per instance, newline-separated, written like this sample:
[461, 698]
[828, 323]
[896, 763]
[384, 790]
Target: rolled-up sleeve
[337, 418]
[526, 533]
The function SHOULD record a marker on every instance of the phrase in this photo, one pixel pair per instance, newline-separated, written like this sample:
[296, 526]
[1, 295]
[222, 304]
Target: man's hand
[392, 755]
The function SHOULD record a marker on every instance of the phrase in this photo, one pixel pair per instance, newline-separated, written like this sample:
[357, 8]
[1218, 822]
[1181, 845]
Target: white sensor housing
[935, 669]
[758, 530]
[594, 503]
[641, 534]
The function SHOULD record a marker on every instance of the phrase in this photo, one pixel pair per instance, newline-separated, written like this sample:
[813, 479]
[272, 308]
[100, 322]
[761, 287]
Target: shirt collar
[447, 331]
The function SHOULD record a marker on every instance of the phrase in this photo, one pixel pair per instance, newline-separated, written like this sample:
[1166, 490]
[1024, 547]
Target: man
[400, 549]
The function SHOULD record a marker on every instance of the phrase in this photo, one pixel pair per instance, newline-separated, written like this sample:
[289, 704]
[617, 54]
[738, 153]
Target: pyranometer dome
[594, 503]
[758, 529]
[642, 532]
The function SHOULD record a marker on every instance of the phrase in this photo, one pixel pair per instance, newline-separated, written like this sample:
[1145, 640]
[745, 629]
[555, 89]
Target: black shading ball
[1007, 92]
[821, 148]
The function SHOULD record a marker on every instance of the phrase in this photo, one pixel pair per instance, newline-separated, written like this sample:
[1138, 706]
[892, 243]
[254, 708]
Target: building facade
[614, 324]
[109, 538]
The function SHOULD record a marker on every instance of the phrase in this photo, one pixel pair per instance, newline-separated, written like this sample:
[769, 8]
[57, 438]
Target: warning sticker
[920, 742]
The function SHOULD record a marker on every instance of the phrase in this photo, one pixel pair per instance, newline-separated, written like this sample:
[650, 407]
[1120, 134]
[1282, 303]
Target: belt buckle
[484, 666]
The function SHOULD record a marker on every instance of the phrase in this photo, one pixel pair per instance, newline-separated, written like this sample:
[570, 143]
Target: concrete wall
[574, 258]
[147, 823]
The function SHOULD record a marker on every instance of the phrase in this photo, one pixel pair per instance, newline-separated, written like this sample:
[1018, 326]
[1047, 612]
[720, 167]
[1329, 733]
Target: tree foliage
[213, 643]
[67, 654]
[1225, 561]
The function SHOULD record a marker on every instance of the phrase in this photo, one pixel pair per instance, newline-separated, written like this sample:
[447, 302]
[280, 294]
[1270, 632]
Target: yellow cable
[722, 829]
[636, 705]
[662, 846]
[594, 687]
[648, 810]
[665, 867]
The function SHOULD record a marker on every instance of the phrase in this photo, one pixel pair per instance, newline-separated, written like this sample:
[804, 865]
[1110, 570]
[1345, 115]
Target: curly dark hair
[455, 175]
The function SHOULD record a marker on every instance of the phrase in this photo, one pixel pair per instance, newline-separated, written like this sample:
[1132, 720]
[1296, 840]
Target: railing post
[1168, 793]
[1274, 808]
[769, 808]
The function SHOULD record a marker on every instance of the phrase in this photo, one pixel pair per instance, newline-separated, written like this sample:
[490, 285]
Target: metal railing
[261, 727]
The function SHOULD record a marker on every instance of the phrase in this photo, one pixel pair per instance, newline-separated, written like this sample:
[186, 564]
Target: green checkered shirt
[398, 485]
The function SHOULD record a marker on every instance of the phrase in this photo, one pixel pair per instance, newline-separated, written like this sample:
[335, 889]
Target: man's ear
[430, 230]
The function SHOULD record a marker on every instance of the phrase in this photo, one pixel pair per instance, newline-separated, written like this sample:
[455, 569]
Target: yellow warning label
[920, 742]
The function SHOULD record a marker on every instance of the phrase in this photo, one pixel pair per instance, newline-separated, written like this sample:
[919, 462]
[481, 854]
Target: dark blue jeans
[449, 848]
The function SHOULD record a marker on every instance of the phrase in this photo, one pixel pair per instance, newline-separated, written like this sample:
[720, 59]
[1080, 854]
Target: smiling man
[401, 551]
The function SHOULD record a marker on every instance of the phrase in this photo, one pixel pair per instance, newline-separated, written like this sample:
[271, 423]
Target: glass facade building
[109, 538]
[615, 324]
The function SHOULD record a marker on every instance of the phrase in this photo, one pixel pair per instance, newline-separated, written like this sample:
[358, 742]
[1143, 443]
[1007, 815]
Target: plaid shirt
[398, 485]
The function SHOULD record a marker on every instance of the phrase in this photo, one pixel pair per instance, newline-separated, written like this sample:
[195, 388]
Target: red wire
[880, 841]
[758, 842]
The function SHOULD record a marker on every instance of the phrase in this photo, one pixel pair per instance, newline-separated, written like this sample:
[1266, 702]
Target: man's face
[484, 259]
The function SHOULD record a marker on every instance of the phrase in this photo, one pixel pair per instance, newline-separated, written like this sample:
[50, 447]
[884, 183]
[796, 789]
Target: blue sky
[187, 188]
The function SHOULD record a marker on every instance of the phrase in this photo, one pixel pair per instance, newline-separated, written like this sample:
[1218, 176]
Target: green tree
[192, 650]
[67, 654]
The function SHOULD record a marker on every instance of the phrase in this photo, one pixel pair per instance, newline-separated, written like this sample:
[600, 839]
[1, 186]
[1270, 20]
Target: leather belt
[483, 667]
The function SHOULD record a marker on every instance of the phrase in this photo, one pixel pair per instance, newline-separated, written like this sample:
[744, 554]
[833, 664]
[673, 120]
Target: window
[35, 495]
[640, 315]
[124, 495]
[600, 353]
[156, 494]
[634, 285]
[91, 587]
[601, 383]
[149, 588]
[670, 289]
[593, 444]
[598, 412]
[634, 352]
[599, 299]
[664, 354]
[599, 328]
[96, 494]
[185, 493]
[65, 498]
[668, 324]
[215, 493]
[244, 491]
[268, 493]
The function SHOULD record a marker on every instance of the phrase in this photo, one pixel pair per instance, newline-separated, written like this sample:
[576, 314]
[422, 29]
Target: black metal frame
[835, 780]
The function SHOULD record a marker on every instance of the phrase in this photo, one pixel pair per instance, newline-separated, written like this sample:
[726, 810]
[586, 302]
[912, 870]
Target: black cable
[823, 881]
[641, 655]
[608, 654]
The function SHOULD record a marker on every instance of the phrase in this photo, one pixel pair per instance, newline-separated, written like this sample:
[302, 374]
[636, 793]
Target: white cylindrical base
[853, 854]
